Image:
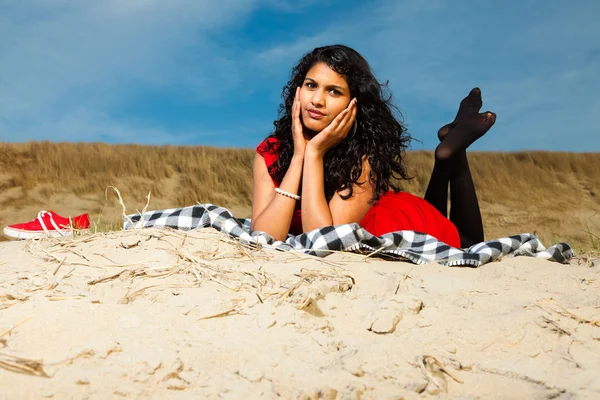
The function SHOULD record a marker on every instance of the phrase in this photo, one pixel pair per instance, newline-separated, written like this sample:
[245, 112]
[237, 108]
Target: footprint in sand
[386, 315]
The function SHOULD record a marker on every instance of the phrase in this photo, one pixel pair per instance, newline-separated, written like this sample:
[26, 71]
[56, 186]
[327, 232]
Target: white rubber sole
[23, 234]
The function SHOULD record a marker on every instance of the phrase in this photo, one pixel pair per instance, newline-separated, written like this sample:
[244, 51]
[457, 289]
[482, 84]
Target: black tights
[452, 167]
[464, 210]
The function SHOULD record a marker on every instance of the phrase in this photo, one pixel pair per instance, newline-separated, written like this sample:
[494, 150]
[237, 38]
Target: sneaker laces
[40, 217]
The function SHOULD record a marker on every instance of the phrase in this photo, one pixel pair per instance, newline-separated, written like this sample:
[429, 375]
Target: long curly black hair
[379, 135]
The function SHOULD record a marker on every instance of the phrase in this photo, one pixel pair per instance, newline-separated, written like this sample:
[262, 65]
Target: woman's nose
[318, 98]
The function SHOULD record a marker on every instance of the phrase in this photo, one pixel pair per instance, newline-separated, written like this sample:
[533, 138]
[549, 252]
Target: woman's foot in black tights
[451, 167]
[464, 133]
[469, 106]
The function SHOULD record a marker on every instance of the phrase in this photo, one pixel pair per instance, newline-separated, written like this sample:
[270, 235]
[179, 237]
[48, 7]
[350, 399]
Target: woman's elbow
[281, 236]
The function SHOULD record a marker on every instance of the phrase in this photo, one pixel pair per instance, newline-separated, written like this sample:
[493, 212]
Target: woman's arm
[316, 212]
[271, 212]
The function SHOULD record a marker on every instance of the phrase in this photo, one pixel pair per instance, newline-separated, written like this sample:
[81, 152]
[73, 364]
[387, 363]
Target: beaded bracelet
[287, 194]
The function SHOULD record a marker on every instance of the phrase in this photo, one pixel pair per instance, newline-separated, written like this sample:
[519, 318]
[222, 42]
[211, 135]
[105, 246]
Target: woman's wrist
[298, 157]
[312, 152]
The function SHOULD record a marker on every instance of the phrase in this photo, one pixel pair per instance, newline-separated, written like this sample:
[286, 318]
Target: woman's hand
[297, 131]
[334, 133]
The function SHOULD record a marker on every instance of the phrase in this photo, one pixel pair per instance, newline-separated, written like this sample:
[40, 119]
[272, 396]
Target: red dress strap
[269, 155]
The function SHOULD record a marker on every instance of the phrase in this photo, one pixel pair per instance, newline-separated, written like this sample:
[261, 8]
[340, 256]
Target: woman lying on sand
[335, 147]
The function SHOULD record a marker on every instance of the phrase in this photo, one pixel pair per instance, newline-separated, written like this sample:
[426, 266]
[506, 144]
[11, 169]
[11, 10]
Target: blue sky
[210, 73]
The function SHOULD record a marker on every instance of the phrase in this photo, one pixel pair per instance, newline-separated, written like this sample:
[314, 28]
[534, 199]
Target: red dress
[393, 211]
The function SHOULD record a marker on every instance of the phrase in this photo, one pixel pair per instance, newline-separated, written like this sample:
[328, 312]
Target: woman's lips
[314, 114]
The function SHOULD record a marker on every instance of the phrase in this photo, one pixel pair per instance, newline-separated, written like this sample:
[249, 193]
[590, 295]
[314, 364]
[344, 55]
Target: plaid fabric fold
[412, 246]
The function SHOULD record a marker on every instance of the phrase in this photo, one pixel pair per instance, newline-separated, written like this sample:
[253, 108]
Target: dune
[554, 195]
[172, 314]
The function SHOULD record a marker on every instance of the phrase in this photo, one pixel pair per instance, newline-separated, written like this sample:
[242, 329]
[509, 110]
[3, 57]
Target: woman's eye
[335, 92]
[310, 85]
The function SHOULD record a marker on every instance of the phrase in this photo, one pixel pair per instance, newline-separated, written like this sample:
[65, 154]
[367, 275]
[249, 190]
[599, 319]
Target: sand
[165, 314]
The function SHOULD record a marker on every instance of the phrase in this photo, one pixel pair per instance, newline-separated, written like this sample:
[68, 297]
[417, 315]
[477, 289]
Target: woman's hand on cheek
[297, 131]
[334, 133]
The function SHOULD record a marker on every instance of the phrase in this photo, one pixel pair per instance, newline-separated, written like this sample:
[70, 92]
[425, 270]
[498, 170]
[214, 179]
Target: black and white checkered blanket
[416, 247]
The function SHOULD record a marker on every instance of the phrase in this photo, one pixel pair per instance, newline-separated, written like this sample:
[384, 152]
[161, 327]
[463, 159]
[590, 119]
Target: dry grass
[50, 168]
[555, 195]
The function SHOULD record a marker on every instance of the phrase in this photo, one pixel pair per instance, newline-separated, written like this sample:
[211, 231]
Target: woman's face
[323, 95]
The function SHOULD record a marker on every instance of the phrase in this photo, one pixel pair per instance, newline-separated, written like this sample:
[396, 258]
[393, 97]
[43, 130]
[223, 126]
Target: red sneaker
[48, 223]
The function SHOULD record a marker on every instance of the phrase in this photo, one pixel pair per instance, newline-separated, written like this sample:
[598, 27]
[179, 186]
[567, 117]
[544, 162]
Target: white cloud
[93, 125]
[60, 55]
[286, 54]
